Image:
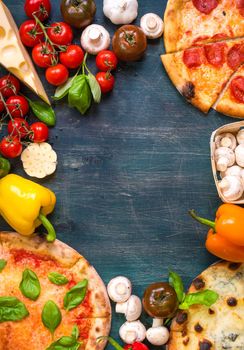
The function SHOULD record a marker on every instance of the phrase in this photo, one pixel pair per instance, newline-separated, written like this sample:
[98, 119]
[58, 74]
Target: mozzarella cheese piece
[13, 55]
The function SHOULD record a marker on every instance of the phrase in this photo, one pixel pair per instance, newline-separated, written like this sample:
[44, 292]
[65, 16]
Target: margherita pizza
[50, 297]
[221, 326]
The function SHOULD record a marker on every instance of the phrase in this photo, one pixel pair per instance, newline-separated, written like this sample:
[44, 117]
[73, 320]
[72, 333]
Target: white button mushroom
[231, 187]
[157, 334]
[234, 170]
[224, 157]
[131, 332]
[239, 152]
[120, 11]
[240, 136]
[152, 25]
[132, 308]
[226, 140]
[119, 289]
[95, 38]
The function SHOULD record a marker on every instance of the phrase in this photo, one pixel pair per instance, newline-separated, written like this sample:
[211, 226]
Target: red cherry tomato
[72, 57]
[43, 55]
[106, 60]
[30, 33]
[18, 127]
[136, 346]
[2, 107]
[9, 86]
[10, 147]
[57, 75]
[18, 106]
[106, 81]
[40, 8]
[39, 132]
[60, 33]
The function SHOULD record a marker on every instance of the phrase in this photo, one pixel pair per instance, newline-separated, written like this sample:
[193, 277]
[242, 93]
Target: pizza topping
[211, 312]
[206, 297]
[205, 345]
[240, 6]
[205, 6]
[51, 316]
[119, 289]
[12, 309]
[67, 342]
[219, 36]
[232, 301]
[57, 278]
[234, 266]
[235, 56]
[3, 263]
[198, 328]
[200, 39]
[181, 317]
[186, 340]
[198, 283]
[237, 88]
[75, 295]
[215, 53]
[30, 285]
[188, 90]
[193, 58]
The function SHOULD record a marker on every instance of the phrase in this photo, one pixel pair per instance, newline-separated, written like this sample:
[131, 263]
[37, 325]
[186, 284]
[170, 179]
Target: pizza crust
[172, 19]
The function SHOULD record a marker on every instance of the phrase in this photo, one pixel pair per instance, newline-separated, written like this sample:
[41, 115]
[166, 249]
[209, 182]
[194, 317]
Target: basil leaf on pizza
[3, 263]
[206, 297]
[57, 278]
[30, 285]
[75, 295]
[176, 282]
[51, 316]
[68, 343]
[12, 309]
[75, 332]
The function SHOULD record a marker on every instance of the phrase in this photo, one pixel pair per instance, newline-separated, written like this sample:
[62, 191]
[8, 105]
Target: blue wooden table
[130, 169]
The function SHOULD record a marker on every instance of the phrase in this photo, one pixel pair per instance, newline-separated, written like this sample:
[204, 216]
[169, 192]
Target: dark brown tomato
[216, 54]
[129, 43]
[237, 89]
[193, 58]
[205, 6]
[235, 56]
[160, 300]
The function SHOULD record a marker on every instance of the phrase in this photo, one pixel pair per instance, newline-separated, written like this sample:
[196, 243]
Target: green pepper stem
[202, 220]
[111, 341]
[51, 234]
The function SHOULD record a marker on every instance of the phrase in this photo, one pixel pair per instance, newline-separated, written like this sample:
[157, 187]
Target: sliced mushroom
[224, 158]
[131, 332]
[132, 308]
[119, 289]
[226, 140]
[231, 187]
[157, 334]
[152, 25]
[95, 38]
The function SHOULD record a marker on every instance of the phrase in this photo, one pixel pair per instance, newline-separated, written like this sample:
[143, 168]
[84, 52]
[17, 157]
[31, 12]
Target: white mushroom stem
[157, 334]
[131, 332]
[95, 38]
[231, 187]
[224, 157]
[119, 289]
[152, 25]
[132, 308]
[226, 140]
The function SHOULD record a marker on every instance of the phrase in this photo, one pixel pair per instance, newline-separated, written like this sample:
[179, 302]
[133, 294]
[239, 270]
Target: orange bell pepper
[226, 237]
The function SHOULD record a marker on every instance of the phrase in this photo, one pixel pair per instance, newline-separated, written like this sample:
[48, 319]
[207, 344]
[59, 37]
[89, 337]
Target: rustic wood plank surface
[129, 171]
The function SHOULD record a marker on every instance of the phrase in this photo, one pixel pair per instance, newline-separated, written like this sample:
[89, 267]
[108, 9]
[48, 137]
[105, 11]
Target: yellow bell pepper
[24, 205]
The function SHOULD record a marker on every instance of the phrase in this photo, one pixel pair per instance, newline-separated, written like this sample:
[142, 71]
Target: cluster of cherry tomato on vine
[14, 109]
[53, 50]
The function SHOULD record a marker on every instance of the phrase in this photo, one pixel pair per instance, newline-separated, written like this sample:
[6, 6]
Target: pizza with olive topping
[221, 326]
[51, 298]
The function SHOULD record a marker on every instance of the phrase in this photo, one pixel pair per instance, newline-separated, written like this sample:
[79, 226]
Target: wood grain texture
[131, 169]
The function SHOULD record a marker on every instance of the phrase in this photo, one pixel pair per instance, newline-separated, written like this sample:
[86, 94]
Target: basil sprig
[12, 309]
[57, 278]
[51, 316]
[3, 263]
[43, 112]
[176, 282]
[75, 295]
[67, 342]
[30, 285]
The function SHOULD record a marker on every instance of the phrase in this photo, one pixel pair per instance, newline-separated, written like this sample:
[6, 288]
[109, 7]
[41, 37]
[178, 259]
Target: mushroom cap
[226, 140]
[240, 136]
[234, 170]
[224, 157]
[119, 289]
[131, 332]
[231, 187]
[132, 308]
[152, 25]
[157, 335]
[239, 152]
[95, 38]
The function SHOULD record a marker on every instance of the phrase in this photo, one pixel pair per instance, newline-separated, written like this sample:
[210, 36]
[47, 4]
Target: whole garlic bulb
[120, 11]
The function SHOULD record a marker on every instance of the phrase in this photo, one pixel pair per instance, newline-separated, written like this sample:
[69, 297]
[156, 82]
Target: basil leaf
[63, 90]
[43, 112]
[176, 282]
[95, 88]
[206, 297]
[12, 309]
[75, 295]
[75, 332]
[51, 316]
[80, 95]
[30, 285]
[68, 343]
[3, 263]
[57, 278]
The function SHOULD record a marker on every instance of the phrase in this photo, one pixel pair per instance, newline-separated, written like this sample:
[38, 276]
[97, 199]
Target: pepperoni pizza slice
[34, 277]
[201, 73]
[192, 22]
[231, 102]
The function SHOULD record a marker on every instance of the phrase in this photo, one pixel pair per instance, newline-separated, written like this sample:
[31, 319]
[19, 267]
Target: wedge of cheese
[13, 55]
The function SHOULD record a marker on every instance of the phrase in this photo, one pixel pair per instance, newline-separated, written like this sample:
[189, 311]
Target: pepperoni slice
[193, 57]
[216, 54]
[219, 36]
[205, 6]
[235, 56]
[200, 39]
[240, 6]
[237, 88]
